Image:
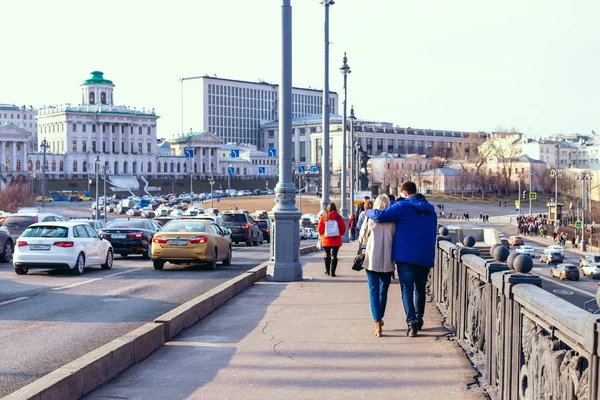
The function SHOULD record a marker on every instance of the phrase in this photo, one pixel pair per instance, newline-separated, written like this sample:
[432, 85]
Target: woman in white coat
[378, 263]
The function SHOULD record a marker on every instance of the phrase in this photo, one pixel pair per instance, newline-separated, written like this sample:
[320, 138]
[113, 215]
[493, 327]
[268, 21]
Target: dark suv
[263, 225]
[243, 228]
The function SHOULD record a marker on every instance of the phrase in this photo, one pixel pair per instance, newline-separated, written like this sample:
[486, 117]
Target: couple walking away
[402, 234]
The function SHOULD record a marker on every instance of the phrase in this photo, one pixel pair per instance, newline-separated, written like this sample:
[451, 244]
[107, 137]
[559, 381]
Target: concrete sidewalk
[303, 340]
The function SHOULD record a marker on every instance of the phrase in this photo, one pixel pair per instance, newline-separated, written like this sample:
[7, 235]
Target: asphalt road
[49, 318]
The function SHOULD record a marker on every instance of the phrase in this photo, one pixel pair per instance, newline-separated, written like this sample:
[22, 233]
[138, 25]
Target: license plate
[178, 242]
[118, 235]
[39, 247]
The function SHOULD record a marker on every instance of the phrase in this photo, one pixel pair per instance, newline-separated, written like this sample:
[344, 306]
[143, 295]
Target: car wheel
[7, 252]
[227, 261]
[249, 243]
[109, 260]
[148, 254]
[79, 265]
[577, 278]
[21, 270]
[158, 264]
[213, 263]
[562, 278]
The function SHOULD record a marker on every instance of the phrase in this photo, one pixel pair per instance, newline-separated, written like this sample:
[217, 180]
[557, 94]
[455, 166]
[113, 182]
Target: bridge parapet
[527, 343]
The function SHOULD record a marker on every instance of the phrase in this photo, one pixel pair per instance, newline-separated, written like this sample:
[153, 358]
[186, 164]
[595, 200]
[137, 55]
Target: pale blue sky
[461, 65]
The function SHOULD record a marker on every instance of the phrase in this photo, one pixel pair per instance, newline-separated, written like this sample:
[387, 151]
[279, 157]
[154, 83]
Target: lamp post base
[284, 265]
[345, 237]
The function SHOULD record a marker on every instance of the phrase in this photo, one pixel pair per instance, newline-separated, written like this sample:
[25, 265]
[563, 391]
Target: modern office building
[22, 117]
[234, 109]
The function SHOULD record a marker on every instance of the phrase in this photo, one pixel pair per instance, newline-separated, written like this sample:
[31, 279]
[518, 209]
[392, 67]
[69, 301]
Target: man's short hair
[409, 187]
[367, 198]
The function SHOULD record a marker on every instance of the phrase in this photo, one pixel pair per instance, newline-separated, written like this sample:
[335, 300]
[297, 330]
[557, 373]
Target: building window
[83, 129]
[271, 134]
[74, 146]
[112, 128]
[18, 165]
[37, 165]
[390, 145]
[29, 166]
[74, 166]
[84, 166]
[18, 146]
[158, 167]
[83, 145]
[369, 145]
[61, 166]
[139, 130]
[103, 128]
[149, 167]
[93, 146]
[140, 148]
[103, 98]
[53, 165]
[379, 145]
[74, 127]
[92, 98]
[149, 147]
[149, 131]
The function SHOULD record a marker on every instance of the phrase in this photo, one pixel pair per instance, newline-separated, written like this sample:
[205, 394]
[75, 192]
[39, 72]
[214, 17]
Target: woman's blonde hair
[381, 202]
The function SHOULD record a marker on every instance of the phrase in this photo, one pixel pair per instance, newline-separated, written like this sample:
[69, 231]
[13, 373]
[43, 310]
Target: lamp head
[352, 117]
[327, 2]
[345, 68]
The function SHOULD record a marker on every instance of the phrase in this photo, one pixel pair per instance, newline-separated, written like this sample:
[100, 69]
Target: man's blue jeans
[379, 282]
[413, 280]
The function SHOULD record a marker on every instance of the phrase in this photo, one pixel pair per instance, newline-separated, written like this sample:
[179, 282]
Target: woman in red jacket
[331, 228]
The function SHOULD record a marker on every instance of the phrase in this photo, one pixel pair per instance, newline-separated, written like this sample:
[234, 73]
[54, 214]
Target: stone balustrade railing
[526, 342]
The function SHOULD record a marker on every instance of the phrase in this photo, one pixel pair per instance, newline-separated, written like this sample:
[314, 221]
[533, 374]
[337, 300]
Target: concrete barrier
[79, 377]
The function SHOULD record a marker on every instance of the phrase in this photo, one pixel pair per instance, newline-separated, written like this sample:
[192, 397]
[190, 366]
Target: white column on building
[13, 161]
[200, 169]
[217, 159]
[2, 155]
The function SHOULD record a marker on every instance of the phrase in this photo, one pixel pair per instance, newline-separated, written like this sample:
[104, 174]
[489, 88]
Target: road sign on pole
[189, 153]
[235, 154]
[272, 152]
[578, 224]
[262, 170]
[517, 203]
[301, 169]
[533, 195]
[230, 170]
[314, 169]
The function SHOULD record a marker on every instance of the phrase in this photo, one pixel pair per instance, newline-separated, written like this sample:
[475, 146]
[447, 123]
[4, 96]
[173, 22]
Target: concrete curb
[79, 377]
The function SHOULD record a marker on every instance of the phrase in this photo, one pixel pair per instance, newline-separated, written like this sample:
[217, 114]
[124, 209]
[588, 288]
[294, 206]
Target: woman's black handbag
[360, 256]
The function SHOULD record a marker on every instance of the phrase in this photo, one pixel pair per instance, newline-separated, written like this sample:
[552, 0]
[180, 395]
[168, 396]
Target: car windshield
[234, 218]
[124, 223]
[185, 226]
[46, 232]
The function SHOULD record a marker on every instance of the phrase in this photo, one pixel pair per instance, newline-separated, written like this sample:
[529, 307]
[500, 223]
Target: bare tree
[503, 148]
[440, 155]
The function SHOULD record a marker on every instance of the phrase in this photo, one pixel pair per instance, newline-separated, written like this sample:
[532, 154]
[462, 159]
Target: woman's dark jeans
[379, 282]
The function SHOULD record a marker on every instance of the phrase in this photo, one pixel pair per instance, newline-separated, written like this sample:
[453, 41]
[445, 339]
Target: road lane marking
[121, 273]
[76, 284]
[563, 292]
[580, 291]
[13, 300]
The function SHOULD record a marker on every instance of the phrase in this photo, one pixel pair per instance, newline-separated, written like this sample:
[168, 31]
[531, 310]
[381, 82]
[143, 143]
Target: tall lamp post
[104, 170]
[520, 176]
[555, 174]
[44, 147]
[212, 183]
[345, 70]
[325, 159]
[585, 176]
[352, 118]
[531, 175]
[284, 264]
[228, 178]
[97, 163]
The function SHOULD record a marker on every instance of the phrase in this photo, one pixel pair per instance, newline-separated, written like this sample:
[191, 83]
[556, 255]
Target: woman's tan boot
[377, 329]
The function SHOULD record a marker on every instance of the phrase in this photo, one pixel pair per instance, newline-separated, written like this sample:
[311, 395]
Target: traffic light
[524, 194]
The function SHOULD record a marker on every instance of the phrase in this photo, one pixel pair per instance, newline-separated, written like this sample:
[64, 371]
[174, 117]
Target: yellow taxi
[48, 199]
[85, 198]
[189, 242]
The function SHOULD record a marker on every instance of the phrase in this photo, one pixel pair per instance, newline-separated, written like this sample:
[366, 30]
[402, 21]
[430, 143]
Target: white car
[61, 245]
[311, 233]
[556, 249]
[526, 250]
[591, 269]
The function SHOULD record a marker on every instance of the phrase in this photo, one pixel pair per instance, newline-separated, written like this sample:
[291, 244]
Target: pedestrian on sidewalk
[331, 228]
[352, 226]
[414, 249]
[362, 217]
[378, 263]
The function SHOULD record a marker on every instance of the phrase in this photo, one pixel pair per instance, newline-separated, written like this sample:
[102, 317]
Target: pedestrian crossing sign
[533, 195]
[517, 203]
[578, 224]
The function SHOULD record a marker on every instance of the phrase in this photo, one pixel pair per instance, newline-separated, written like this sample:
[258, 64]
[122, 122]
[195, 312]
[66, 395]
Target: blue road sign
[301, 169]
[262, 170]
[314, 169]
[235, 154]
[189, 153]
[272, 152]
[230, 170]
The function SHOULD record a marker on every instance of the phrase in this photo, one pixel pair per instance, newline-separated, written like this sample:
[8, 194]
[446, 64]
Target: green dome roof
[97, 77]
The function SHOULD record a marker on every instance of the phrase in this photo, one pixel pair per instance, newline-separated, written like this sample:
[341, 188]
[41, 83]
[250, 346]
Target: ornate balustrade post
[440, 257]
[442, 275]
[459, 287]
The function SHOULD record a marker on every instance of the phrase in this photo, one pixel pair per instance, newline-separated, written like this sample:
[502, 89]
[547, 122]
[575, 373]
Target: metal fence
[527, 342]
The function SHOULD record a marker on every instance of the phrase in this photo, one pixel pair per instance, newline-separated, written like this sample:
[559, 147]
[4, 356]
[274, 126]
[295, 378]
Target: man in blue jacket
[414, 248]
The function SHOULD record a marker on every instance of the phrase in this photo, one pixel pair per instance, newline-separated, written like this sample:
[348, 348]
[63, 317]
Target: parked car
[191, 241]
[244, 193]
[516, 241]
[47, 199]
[61, 245]
[591, 269]
[526, 250]
[265, 227]
[17, 223]
[311, 233]
[75, 199]
[589, 258]
[7, 246]
[271, 191]
[551, 257]
[565, 271]
[136, 211]
[303, 235]
[131, 236]
[243, 228]
[214, 218]
[96, 224]
[558, 249]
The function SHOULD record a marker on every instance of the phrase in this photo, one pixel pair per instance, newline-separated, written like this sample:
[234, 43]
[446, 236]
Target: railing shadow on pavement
[526, 342]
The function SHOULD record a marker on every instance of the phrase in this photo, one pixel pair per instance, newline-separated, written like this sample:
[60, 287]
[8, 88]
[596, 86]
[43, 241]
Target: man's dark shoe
[412, 330]
[420, 325]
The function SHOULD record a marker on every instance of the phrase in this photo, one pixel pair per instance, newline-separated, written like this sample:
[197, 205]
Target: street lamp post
[325, 159]
[97, 163]
[531, 175]
[357, 162]
[212, 182]
[104, 171]
[555, 174]
[352, 164]
[345, 70]
[520, 176]
[284, 264]
[585, 176]
[44, 147]
[228, 178]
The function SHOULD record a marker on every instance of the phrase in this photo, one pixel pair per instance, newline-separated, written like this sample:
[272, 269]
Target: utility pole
[97, 162]
[325, 159]
[44, 147]
[531, 175]
[345, 70]
[352, 163]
